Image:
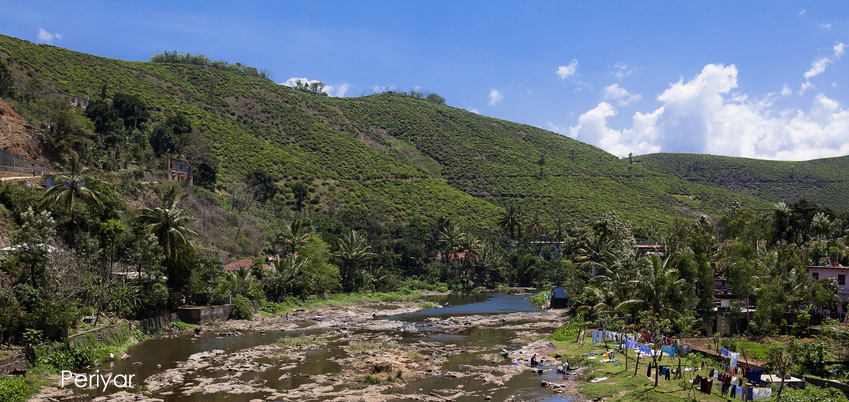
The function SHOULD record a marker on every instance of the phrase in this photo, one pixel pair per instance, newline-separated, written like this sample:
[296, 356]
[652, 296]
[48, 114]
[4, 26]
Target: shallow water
[168, 351]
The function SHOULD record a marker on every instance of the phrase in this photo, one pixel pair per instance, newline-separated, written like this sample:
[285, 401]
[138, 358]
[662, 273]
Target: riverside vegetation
[391, 192]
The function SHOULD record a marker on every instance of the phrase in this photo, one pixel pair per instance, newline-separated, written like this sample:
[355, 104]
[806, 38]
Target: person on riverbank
[534, 360]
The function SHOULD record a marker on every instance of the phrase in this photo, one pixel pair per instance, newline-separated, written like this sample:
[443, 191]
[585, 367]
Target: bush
[15, 389]
[58, 357]
[568, 332]
[813, 394]
[178, 325]
[244, 309]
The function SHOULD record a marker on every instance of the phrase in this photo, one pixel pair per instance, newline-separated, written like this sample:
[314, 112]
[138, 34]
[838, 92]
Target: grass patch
[371, 379]
[365, 346]
[428, 304]
[758, 350]
[303, 340]
[622, 384]
[540, 299]
[180, 325]
[397, 377]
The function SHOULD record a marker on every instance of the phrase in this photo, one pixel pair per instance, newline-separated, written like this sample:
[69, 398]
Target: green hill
[390, 153]
[824, 181]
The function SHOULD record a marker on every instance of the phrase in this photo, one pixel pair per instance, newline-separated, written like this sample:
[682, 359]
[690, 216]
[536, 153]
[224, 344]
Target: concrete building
[839, 274]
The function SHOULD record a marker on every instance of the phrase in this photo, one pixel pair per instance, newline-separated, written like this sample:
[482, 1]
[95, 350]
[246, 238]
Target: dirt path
[19, 178]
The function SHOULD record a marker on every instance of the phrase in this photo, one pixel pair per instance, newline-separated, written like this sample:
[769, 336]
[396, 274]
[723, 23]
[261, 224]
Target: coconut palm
[291, 277]
[450, 236]
[511, 220]
[294, 234]
[656, 281]
[169, 222]
[72, 185]
[352, 252]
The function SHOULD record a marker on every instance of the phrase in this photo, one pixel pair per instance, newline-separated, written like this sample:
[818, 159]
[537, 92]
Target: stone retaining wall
[153, 324]
[204, 315]
[828, 384]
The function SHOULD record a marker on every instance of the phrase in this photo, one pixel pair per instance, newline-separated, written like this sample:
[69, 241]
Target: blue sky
[763, 79]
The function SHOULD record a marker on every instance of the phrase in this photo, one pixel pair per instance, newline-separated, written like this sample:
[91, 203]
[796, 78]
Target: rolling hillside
[824, 181]
[385, 152]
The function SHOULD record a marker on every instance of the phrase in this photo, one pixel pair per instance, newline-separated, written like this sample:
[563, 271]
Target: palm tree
[511, 221]
[353, 251]
[558, 233]
[71, 186]
[291, 276]
[492, 261]
[169, 222]
[656, 282]
[450, 236]
[293, 235]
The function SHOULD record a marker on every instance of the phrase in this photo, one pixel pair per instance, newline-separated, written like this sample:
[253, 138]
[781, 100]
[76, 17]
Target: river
[447, 353]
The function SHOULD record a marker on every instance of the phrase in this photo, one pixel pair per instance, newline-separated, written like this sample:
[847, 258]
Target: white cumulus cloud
[703, 115]
[568, 70]
[818, 66]
[495, 96]
[47, 37]
[619, 94]
[825, 26]
[785, 90]
[641, 138]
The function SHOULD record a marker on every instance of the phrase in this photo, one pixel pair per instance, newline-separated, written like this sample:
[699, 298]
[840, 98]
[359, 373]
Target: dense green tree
[301, 191]
[131, 110]
[263, 184]
[104, 116]
[33, 241]
[167, 136]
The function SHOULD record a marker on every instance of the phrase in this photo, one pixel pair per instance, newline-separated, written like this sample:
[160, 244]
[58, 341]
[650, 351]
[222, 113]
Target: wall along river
[452, 352]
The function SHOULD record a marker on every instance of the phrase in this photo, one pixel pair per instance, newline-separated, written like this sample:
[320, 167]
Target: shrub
[567, 332]
[178, 325]
[244, 309]
[14, 389]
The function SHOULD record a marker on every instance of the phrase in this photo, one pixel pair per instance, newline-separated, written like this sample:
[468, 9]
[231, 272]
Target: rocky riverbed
[353, 353]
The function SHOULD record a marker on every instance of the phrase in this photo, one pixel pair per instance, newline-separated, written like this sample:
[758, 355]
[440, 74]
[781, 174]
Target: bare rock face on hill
[16, 135]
